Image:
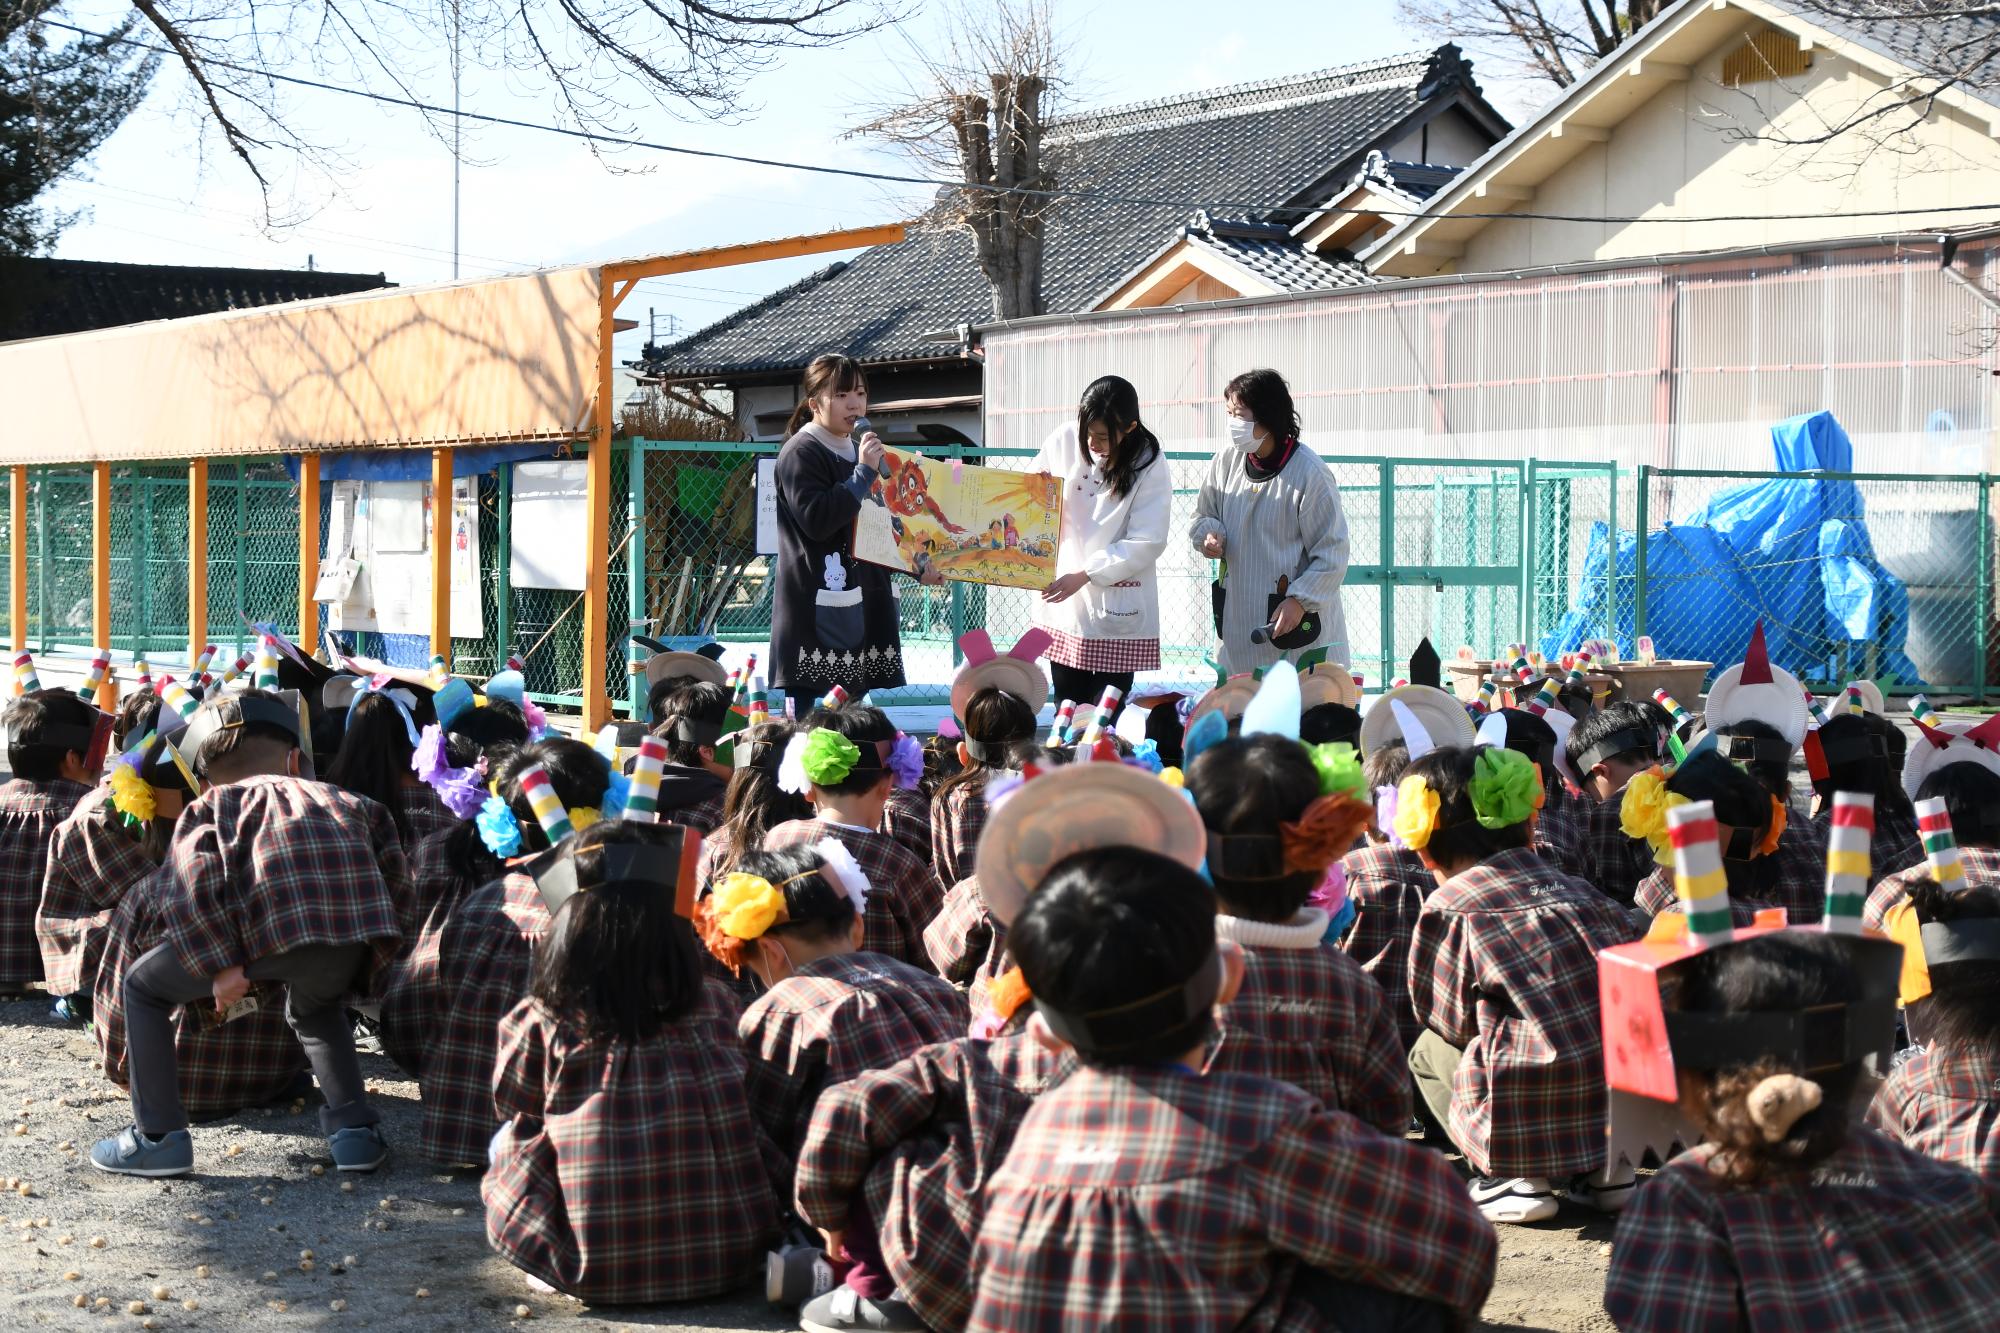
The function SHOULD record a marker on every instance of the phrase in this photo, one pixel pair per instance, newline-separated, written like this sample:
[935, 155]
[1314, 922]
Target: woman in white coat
[1270, 511]
[1102, 611]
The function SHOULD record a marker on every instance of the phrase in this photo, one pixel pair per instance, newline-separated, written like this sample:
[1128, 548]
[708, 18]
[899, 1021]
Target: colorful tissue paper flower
[498, 828]
[1330, 895]
[1505, 789]
[745, 906]
[538, 721]
[1000, 787]
[828, 757]
[1146, 755]
[430, 760]
[461, 791]
[1642, 811]
[906, 762]
[1416, 813]
[617, 792]
[131, 795]
[1339, 766]
[582, 817]
[846, 871]
[1385, 816]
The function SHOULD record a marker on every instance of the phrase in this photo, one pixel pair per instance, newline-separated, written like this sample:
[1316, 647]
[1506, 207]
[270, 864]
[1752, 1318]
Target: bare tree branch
[1557, 41]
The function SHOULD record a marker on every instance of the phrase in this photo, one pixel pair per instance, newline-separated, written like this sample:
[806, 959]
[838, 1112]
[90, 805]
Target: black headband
[1822, 1037]
[1753, 749]
[236, 710]
[1246, 856]
[993, 751]
[1973, 941]
[1852, 749]
[1106, 1031]
[1623, 741]
[694, 731]
[746, 753]
[663, 866]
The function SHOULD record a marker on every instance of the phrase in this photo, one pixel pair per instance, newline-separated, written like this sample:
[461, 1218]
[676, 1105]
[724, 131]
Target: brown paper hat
[661, 666]
[1064, 811]
[1441, 715]
[1230, 698]
[1328, 683]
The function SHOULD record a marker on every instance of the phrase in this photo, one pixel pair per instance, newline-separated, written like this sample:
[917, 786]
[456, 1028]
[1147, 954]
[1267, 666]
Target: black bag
[1302, 635]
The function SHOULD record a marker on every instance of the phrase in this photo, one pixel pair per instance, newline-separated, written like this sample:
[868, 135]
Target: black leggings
[1086, 687]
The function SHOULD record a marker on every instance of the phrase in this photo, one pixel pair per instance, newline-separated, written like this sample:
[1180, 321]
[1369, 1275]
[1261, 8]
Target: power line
[893, 178]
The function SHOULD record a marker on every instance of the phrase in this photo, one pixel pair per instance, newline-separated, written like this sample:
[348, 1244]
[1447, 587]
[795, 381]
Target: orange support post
[308, 552]
[441, 554]
[17, 586]
[197, 557]
[100, 573]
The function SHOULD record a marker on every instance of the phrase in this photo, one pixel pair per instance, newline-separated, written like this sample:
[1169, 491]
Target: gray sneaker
[130, 1153]
[361, 1148]
[795, 1274]
[842, 1309]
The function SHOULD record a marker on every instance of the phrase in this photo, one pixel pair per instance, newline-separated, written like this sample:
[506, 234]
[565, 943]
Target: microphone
[1262, 634]
[1308, 625]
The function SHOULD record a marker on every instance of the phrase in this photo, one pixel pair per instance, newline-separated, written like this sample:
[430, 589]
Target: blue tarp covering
[1793, 552]
[415, 464]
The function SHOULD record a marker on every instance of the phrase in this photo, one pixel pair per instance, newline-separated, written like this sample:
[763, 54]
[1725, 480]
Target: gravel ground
[404, 1248]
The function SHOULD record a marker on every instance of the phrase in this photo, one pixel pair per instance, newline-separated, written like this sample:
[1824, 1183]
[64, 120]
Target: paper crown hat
[1940, 943]
[667, 861]
[1940, 743]
[1753, 688]
[1645, 1042]
[1017, 671]
[704, 665]
[1079, 808]
[1423, 717]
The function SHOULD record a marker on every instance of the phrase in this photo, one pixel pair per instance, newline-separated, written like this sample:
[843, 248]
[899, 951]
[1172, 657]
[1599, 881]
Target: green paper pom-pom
[829, 757]
[1339, 766]
[1504, 789]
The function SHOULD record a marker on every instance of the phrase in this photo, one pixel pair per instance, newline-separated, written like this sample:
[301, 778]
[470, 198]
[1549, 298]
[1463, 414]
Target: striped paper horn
[1064, 715]
[438, 669]
[1106, 707]
[1816, 708]
[1487, 689]
[175, 696]
[1940, 846]
[548, 807]
[1581, 669]
[267, 664]
[1921, 711]
[1848, 862]
[100, 667]
[201, 661]
[26, 681]
[1545, 698]
[1854, 704]
[514, 662]
[1699, 879]
[834, 697]
[750, 666]
[236, 668]
[760, 704]
[643, 802]
[1673, 706]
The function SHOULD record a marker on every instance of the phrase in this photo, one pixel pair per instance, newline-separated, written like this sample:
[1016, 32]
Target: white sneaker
[1606, 1191]
[1519, 1199]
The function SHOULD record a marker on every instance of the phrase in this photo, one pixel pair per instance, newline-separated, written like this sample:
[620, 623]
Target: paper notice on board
[376, 573]
[549, 503]
[767, 506]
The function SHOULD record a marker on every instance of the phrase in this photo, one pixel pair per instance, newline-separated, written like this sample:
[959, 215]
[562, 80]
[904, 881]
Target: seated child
[1759, 749]
[1278, 816]
[794, 917]
[1942, 1099]
[752, 802]
[995, 725]
[1559, 826]
[55, 744]
[1763, 871]
[840, 760]
[1143, 1193]
[626, 1169]
[1387, 883]
[452, 994]
[374, 760]
[1607, 750]
[271, 878]
[1971, 796]
[1864, 752]
[1790, 1214]
[691, 719]
[1503, 974]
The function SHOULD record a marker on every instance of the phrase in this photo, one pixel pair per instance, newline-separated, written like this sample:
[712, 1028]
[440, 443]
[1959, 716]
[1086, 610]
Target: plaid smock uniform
[834, 1018]
[967, 946]
[1504, 966]
[29, 813]
[427, 814]
[1307, 1015]
[1793, 877]
[1559, 835]
[1897, 845]
[903, 893]
[1875, 1237]
[1944, 1104]
[916, 1143]
[1387, 888]
[413, 1001]
[1982, 866]
[627, 1172]
[245, 1062]
[957, 819]
[485, 956]
[1612, 861]
[93, 859]
[1148, 1197]
[906, 817]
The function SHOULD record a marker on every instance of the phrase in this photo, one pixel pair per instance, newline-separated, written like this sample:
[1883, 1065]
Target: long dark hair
[1268, 399]
[618, 963]
[1113, 403]
[830, 373]
[753, 804]
[996, 721]
[374, 757]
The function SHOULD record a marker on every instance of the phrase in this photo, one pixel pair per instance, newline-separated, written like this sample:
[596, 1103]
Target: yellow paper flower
[583, 816]
[1642, 811]
[130, 793]
[746, 906]
[1174, 778]
[1416, 813]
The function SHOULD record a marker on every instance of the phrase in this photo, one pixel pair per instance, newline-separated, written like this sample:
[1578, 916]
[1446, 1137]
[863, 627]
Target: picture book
[971, 524]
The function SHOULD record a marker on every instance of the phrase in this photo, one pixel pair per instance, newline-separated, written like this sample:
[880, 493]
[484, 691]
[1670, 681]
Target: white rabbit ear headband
[846, 872]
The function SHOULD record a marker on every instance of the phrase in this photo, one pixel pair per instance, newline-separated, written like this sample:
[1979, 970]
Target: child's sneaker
[360, 1148]
[1606, 1191]
[795, 1274]
[130, 1153]
[843, 1309]
[1519, 1199]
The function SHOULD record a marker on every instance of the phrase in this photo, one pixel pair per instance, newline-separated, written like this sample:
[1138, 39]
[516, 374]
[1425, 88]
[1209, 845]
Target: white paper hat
[1941, 743]
[1437, 719]
[1754, 689]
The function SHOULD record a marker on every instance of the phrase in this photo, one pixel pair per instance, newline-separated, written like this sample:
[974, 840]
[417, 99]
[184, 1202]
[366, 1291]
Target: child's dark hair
[252, 734]
[576, 772]
[1264, 394]
[1963, 1009]
[500, 724]
[44, 728]
[864, 726]
[1783, 972]
[1627, 725]
[817, 909]
[374, 756]
[1113, 926]
[940, 762]
[1773, 773]
[828, 373]
[1386, 764]
[996, 725]
[703, 706]
[1324, 723]
[1113, 403]
[618, 963]
[1534, 737]
[661, 690]
[1971, 795]
[1864, 754]
[753, 804]
[1459, 838]
[137, 715]
[1743, 806]
[1251, 788]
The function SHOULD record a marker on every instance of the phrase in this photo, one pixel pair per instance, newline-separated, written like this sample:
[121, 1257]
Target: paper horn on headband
[1493, 731]
[1425, 666]
[1275, 709]
[548, 807]
[1847, 861]
[643, 802]
[1415, 738]
[1700, 882]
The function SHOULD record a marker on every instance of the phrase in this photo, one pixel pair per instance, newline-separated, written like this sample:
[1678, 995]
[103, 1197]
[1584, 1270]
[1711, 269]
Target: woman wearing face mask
[1270, 512]
[1103, 609]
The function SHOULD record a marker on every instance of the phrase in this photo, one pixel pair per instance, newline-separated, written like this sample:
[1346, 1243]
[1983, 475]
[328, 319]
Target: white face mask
[1242, 434]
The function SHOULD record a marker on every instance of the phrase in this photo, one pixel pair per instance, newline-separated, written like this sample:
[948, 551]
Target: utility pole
[457, 132]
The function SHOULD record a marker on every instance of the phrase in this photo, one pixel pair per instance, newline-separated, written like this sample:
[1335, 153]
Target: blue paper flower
[498, 828]
[616, 793]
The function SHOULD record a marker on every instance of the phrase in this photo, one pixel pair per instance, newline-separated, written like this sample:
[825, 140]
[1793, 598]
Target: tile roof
[1270, 150]
[1267, 250]
[1963, 49]
[43, 297]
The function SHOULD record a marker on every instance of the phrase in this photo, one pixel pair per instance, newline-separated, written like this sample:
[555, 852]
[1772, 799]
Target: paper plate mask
[1329, 684]
[1646, 1041]
[1421, 716]
[1063, 811]
[672, 662]
[1018, 671]
[1944, 743]
[1754, 689]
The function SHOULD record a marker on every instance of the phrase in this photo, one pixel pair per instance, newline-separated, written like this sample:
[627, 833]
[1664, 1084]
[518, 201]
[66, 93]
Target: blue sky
[160, 192]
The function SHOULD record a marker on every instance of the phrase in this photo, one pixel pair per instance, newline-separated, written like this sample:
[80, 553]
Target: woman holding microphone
[834, 620]
[1102, 611]
[1270, 511]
